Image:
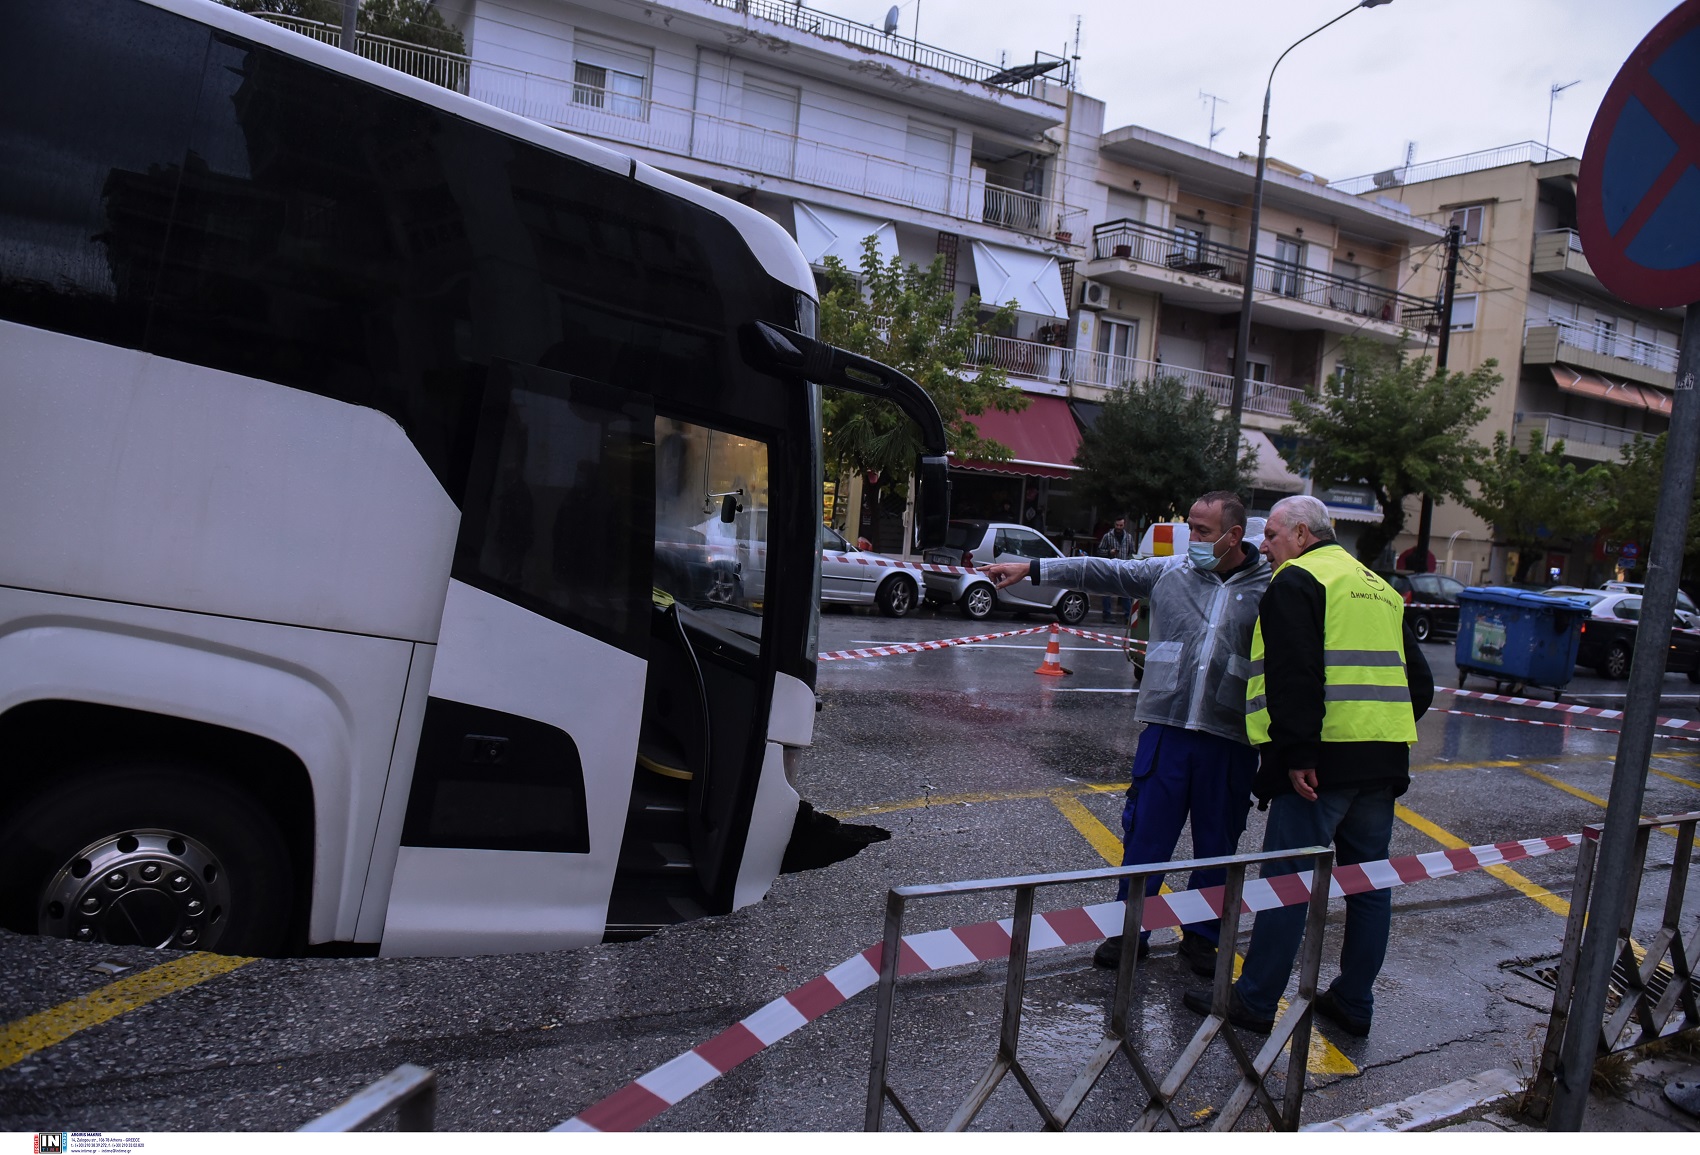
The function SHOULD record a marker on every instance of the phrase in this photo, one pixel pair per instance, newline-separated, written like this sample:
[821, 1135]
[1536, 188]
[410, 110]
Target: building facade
[1579, 364]
[1123, 250]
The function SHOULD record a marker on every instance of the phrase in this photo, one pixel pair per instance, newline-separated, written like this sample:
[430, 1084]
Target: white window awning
[1032, 280]
[824, 232]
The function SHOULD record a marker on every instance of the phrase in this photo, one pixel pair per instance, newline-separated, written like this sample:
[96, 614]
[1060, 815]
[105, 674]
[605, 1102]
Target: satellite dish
[891, 21]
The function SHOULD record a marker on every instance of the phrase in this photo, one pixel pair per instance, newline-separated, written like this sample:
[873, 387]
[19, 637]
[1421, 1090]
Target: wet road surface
[979, 769]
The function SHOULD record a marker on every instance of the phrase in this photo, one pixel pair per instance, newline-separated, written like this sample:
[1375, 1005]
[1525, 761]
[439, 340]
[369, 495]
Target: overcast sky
[1454, 76]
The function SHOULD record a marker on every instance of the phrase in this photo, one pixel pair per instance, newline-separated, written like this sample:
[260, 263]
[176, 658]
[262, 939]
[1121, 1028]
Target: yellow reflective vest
[1366, 697]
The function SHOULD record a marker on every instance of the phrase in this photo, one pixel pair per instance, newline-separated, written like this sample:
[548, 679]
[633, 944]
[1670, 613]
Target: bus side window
[560, 503]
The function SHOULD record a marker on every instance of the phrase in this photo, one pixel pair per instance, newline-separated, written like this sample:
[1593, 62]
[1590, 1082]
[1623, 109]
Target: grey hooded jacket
[1197, 661]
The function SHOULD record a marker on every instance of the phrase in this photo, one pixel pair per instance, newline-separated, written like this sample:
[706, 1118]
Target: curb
[1429, 1107]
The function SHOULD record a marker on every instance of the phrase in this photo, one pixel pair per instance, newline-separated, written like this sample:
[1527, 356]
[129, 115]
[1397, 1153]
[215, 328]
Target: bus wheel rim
[154, 888]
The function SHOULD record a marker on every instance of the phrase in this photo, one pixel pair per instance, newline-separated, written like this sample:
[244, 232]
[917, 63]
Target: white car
[1685, 607]
[977, 543]
[854, 577]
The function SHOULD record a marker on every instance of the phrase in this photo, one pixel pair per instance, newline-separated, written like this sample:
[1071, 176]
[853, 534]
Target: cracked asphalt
[973, 764]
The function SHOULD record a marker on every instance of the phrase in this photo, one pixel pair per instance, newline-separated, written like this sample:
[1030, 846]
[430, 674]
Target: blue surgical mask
[1202, 555]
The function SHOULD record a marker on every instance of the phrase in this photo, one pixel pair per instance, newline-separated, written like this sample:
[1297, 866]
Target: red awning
[1599, 388]
[1042, 439]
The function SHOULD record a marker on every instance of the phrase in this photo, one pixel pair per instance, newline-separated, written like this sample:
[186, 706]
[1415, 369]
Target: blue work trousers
[1180, 773]
[1359, 824]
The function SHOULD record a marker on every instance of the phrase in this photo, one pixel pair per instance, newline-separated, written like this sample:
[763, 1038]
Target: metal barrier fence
[1649, 991]
[409, 1091]
[1293, 1027]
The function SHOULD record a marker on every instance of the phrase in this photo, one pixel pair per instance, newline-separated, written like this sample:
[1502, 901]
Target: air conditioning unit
[1094, 295]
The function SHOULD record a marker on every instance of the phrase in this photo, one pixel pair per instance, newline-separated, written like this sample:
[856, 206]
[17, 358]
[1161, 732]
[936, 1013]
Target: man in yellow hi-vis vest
[1337, 685]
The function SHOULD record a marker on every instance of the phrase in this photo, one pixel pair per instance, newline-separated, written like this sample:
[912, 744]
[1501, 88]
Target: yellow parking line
[1575, 792]
[23, 1038]
[1675, 777]
[1324, 1058]
[1505, 874]
[924, 802]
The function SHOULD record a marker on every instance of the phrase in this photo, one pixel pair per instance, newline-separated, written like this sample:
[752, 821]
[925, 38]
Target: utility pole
[1449, 290]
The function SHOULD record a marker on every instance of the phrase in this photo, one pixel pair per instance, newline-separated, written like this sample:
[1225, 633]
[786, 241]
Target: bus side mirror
[729, 508]
[933, 502]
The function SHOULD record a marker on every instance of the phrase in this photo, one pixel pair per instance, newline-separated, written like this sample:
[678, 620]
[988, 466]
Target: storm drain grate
[1544, 972]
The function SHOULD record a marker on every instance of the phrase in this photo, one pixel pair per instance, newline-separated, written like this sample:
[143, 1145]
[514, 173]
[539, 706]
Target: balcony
[1587, 440]
[1033, 361]
[650, 125]
[1024, 79]
[1197, 271]
[1598, 347]
[1558, 254]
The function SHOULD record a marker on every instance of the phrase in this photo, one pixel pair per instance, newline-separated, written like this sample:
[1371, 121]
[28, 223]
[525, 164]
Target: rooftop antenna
[1410, 158]
[1074, 61]
[891, 21]
[1214, 131]
[1551, 98]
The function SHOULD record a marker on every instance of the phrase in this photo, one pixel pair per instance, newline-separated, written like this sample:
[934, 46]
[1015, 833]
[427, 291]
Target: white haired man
[1337, 685]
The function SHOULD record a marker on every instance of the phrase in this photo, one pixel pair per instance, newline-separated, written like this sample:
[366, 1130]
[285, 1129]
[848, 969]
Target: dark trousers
[1359, 824]
[1179, 774]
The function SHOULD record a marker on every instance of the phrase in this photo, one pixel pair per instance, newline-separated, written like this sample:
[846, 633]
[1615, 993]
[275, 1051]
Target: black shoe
[1328, 1008]
[1198, 953]
[1198, 1001]
[1109, 952]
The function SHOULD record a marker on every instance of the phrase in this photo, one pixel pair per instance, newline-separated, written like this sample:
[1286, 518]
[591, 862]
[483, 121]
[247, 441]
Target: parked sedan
[977, 543]
[1431, 602]
[1608, 636]
[853, 577]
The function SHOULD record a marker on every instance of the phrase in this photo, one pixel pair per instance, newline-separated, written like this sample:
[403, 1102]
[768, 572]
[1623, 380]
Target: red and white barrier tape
[1563, 707]
[1120, 640]
[1559, 725]
[893, 648]
[649, 1095]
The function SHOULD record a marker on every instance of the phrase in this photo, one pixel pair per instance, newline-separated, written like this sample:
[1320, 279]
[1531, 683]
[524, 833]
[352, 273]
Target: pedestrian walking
[1337, 685]
[1193, 762]
[1118, 544]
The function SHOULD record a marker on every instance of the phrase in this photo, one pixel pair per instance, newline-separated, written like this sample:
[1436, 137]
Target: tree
[1632, 497]
[1155, 448]
[905, 316]
[414, 21]
[1533, 497]
[1392, 423]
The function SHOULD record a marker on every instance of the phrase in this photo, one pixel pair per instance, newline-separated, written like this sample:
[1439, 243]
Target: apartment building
[1123, 250]
[1578, 363]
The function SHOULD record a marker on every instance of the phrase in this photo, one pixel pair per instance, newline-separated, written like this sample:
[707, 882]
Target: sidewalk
[1487, 1102]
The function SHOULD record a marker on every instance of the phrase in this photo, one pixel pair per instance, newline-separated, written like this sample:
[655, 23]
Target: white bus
[408, 512]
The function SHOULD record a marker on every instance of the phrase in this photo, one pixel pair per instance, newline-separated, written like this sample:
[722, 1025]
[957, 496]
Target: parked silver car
[977, 543]
[850, 577]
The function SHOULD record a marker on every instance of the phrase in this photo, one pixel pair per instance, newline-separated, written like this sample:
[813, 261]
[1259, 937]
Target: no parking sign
[1638, 196]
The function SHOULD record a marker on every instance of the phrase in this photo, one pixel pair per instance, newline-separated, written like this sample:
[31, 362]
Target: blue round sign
[1638, 194]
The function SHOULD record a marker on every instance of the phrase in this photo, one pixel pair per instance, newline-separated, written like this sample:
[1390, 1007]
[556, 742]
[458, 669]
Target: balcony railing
[1524, 152]
[1576, 433]
[1571, 238]
[1608, 342]
[448, 69]
[685, 132]
[795, 15]
[1055, 365]
[1183, 251]
[1115, 372]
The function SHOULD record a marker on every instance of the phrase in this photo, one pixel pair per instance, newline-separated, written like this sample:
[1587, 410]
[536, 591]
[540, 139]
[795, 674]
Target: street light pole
[1242, 345]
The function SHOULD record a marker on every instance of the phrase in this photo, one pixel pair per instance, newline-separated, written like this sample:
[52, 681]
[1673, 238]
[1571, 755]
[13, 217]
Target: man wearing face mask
[1193, 757]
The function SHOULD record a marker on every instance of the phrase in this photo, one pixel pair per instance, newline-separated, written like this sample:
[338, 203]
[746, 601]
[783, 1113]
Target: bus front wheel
[147, 855]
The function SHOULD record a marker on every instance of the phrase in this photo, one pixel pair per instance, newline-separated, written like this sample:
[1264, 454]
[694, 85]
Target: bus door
[511, 838]
[703, 737]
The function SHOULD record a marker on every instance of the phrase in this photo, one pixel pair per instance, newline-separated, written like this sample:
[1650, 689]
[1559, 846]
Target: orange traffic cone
[1052, 665]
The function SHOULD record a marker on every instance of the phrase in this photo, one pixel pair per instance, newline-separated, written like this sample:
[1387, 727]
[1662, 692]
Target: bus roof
[767, 239]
